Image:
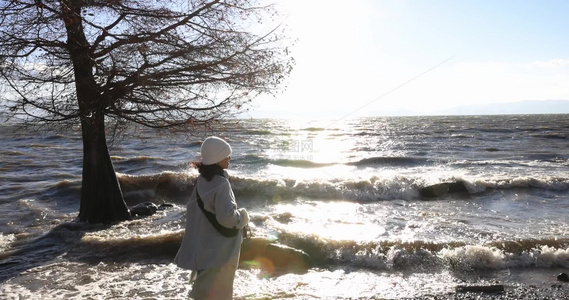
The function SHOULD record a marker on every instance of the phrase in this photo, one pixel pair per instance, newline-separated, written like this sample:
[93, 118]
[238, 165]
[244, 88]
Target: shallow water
[347, 193]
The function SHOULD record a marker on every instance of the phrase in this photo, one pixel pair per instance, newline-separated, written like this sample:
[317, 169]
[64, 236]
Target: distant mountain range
[521, 107]
[508, 108]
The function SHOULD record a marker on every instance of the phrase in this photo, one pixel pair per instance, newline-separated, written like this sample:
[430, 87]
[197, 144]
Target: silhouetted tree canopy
[155, 63]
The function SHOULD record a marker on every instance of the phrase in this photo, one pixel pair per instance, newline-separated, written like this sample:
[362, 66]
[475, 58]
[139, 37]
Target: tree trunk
[101, 196]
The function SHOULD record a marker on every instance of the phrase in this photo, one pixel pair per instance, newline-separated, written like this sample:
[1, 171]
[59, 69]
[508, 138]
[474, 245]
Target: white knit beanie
[214, 150]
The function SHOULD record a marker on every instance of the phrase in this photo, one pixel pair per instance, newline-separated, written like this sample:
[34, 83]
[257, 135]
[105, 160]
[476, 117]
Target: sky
[392, 57]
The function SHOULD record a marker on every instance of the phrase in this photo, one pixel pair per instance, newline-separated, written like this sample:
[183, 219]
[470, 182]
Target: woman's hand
[244, 215]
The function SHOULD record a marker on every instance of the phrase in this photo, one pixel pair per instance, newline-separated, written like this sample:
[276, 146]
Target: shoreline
[520, 292]
[526, 284]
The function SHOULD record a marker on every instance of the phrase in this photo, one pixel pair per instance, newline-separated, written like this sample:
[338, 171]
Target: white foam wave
[372, 189]
[546, 182]
[6, 241]
[419, 256]
[552, 257]
[362, 187]
[375, 188]
[482, 257]
[473, 257]
[465, 258]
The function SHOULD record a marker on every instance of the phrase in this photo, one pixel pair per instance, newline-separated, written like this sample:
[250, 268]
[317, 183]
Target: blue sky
[389, 56]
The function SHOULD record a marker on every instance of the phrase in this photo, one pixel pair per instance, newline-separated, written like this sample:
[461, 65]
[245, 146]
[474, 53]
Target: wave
[134, 248]
[391, 161]
[65, 191]
[428, 256]
[55, 137]
[11, 153]
[159, 188]
[551, 135]
[284, 160]
[391, 188]
[305, 164]
[140, 158]
[44, 146]
[176, 187]
[258, 132]
[550, 183]
[342, 189]
[163, 187]
[314, 129]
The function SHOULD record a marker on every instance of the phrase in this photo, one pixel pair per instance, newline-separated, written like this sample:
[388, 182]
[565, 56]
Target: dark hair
[208, 171]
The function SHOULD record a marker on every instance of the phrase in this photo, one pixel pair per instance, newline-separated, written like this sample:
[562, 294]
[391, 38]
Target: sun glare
[331, 38]
[339, 221]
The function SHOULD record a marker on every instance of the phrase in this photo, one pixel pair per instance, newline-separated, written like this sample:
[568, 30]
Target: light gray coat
[202, 246]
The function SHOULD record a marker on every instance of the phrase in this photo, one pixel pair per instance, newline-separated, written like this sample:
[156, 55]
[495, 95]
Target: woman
[210, 251]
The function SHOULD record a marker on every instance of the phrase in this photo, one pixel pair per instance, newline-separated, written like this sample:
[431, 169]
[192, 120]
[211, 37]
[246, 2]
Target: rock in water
[273, 259]
[144, 209]
[287, 259]
[163, 206]
[563, 277]
[441, 189]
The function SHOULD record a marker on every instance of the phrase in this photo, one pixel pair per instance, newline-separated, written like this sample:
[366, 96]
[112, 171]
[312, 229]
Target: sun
[330, 38]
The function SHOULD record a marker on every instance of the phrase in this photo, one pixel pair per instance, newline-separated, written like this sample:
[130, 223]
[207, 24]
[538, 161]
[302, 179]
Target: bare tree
[158, 63]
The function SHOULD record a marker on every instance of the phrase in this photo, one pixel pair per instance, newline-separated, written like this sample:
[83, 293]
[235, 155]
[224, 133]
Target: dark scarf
[208, 171]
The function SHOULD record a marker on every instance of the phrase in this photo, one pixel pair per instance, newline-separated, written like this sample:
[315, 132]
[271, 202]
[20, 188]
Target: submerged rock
[563, 277]
[163, 206]
[144, 209]
[284, 218]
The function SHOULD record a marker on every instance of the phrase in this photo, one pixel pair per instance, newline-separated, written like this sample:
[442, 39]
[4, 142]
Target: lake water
[346, 192]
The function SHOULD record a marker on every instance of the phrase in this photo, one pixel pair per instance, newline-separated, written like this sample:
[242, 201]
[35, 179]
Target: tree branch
[147, 37]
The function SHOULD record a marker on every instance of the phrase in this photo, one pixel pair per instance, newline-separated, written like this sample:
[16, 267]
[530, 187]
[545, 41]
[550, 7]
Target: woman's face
[224, 164]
